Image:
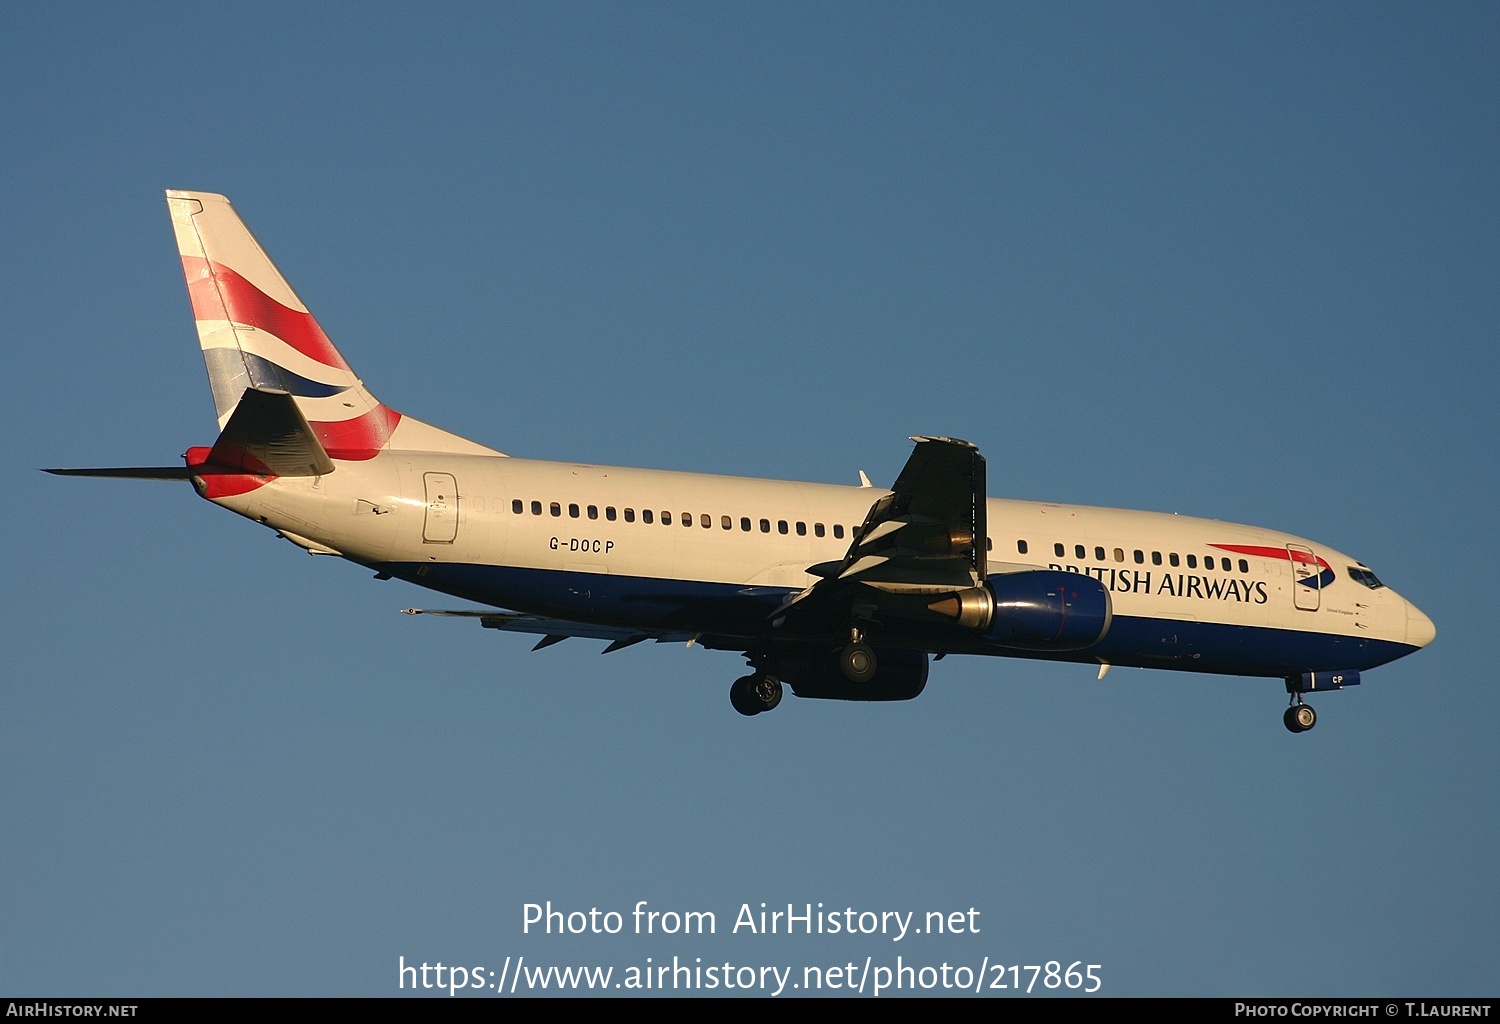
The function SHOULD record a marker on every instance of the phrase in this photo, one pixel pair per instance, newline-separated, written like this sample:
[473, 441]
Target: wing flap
[557, 630]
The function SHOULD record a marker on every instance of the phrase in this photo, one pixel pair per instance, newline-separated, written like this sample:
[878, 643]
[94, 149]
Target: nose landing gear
[1299, 717]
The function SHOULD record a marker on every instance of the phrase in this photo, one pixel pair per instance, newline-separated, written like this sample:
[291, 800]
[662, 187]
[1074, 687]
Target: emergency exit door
[441, 524]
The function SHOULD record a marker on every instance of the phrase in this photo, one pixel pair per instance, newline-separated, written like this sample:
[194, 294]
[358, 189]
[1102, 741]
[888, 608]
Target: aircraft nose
[1419, 628]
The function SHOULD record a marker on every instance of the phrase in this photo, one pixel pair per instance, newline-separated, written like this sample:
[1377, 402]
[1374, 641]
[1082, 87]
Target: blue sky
[1231, 260]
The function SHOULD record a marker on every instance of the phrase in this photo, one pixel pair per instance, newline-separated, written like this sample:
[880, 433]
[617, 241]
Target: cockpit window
[1359, 574]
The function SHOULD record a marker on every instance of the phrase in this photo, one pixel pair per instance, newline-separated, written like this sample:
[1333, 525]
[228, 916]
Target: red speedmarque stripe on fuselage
[360, 438]
[1285, 554]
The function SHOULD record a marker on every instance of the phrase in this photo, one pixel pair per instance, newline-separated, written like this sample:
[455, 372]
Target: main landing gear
[1299, 717]
[757, 692]
[761, 690]
[857, 662]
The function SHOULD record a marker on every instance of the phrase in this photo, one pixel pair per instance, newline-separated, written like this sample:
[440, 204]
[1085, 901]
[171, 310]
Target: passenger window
[818, 530]
[801, 529]
[726, 523]
[609, 512]
[687, 519]
[666, 519]
[1021, 546]
[989, 544]
[1078, 551]
[630, 515]
[555, 509]
[1172, 558]
[536, 508]
[745, 524]
[573, 511]
[838, 531]
[1156, 558]
[646, 515]
[781, 526]
[1192, 561]
[765, 526]
[516, 506]
[593, 511]
[1119, 554]
[1140, 557]
[1057, 549]
[707, 521]
[1208, 561]
[1099, 553]
[1244, 565]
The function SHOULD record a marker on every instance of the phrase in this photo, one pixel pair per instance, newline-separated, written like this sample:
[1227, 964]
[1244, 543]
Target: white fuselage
[516, 527]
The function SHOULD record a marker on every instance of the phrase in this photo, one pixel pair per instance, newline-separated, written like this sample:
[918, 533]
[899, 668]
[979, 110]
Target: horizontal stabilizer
[268, 433]
[129, 472]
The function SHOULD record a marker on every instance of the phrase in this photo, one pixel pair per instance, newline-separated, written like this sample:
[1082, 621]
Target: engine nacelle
[899, 675]
[1049, 610]
[1035, 610]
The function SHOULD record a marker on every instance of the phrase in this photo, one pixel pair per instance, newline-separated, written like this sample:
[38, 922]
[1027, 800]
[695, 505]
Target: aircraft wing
[926, 536]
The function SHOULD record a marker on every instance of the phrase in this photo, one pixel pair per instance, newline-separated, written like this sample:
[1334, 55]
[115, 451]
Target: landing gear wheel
[742, 697]
[1300, 718]
[766, 691]
[857, 662]
[750, 695]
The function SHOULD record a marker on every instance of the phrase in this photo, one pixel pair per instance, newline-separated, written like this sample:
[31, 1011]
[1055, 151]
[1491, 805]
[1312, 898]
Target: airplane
[838, 592]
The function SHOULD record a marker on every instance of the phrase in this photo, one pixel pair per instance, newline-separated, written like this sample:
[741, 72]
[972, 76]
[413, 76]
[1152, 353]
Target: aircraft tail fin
[257, 336]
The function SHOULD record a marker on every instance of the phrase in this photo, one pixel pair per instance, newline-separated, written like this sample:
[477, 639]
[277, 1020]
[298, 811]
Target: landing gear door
[1307, 582]
[441, 523]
